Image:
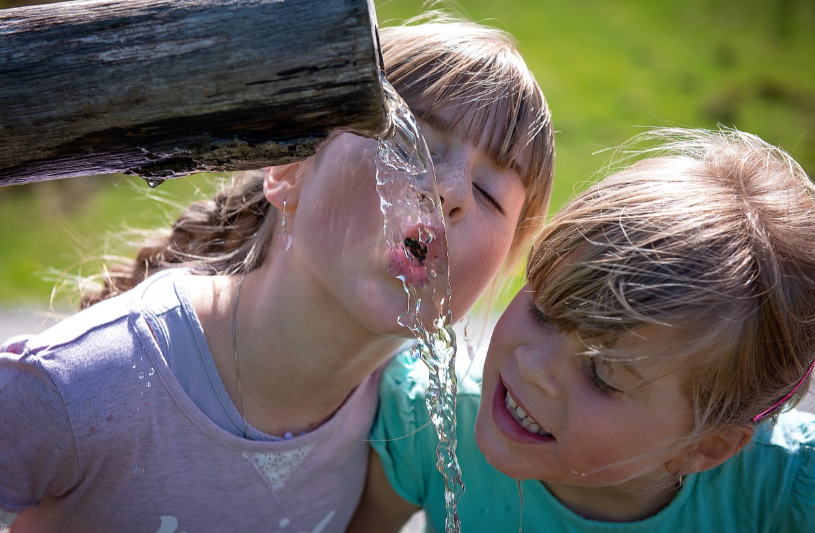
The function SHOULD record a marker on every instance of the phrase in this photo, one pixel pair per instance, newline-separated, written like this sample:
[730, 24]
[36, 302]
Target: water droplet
[151, 371]
[154, 182]
[285, 522]
[141, 375]
[148, 384]
[134, 365]
[138, 470]
[583, 474]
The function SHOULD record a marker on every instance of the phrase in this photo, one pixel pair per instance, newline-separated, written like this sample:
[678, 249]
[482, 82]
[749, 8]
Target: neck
[613, 503]
[297, 362]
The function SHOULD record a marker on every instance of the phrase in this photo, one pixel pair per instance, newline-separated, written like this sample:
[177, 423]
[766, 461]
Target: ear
[712, 450]
[283, 183]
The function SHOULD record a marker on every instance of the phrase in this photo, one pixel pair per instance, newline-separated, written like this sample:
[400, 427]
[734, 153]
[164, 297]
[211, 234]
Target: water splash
[414, 229]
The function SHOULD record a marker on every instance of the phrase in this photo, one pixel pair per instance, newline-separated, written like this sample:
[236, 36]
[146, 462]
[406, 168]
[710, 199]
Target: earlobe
[282, 183]
[712, 450]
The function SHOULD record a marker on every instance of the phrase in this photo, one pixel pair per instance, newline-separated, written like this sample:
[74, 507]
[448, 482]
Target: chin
[498, 456]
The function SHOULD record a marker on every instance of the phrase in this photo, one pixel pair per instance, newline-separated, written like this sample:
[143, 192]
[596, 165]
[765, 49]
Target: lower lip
[413, 272]
[508, 425]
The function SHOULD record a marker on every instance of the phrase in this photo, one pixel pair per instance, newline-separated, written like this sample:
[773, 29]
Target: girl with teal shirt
[637, 382]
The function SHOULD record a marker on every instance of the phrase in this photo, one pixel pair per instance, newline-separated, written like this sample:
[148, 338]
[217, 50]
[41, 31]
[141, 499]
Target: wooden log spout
[164, 88]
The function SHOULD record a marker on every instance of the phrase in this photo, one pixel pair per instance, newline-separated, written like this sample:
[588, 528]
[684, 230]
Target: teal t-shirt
[768, 487]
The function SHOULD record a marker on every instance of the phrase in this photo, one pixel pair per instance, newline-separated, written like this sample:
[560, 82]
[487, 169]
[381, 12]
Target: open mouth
[417, 249]
[420, 255]
[521, 416]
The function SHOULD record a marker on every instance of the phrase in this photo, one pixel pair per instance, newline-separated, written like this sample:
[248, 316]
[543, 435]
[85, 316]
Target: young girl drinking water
[234, 388]
[638, 381]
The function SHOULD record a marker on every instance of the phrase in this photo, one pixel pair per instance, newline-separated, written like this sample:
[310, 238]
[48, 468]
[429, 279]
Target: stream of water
[414, 228]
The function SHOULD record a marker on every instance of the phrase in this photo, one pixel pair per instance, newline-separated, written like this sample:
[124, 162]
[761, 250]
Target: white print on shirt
[169, 524]
[317, 529]
[6, 519]
[276, 468]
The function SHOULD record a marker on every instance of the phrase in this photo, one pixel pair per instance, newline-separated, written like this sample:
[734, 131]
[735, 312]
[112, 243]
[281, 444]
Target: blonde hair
[713, 236]
[432, 64]
[438, 62]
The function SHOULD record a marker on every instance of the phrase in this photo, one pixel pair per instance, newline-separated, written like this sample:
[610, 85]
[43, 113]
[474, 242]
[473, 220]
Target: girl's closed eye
[536, 314]
[489, 198]
[597, 381]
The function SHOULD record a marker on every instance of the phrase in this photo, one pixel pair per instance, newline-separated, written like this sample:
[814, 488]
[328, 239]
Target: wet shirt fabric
[768, 487]
[98, 435]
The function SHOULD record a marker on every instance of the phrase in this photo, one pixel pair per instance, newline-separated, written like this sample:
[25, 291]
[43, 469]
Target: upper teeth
[524, 419]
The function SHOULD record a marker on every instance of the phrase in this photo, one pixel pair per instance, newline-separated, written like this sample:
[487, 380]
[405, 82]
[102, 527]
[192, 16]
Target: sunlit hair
[438, 62]
[711, 238]
[435, 63]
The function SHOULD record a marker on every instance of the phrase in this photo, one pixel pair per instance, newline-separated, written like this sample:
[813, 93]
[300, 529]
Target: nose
[540, 366]
[453, 179]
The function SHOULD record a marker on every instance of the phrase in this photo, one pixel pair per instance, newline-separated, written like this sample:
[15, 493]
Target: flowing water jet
[414, 229]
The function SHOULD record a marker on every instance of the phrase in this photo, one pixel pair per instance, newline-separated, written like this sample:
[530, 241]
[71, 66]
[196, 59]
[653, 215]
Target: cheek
[476, 254]
[612, 445]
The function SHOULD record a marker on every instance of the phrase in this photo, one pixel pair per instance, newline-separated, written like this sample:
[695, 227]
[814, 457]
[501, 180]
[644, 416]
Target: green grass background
[609, 69]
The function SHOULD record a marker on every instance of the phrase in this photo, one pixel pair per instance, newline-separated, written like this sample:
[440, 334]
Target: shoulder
[95, 334]
[774, 475]
[789, 445]
[793, 433]
[71, 330]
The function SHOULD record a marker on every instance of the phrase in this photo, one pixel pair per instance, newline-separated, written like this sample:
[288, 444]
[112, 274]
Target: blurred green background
[608, 69]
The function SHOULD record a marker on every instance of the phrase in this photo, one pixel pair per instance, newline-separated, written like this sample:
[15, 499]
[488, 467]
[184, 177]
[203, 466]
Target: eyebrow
[443, 126]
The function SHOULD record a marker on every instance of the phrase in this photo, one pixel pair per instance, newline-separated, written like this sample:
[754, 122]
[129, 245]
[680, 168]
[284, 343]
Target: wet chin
[496, 449]
[486, 437]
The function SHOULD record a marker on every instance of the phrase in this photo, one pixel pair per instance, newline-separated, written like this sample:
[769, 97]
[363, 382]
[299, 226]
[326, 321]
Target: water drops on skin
[141, 375]
[138, 470]
[151, 371]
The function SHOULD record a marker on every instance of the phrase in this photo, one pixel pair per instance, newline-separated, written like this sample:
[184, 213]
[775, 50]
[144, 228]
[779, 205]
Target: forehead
[480, 128]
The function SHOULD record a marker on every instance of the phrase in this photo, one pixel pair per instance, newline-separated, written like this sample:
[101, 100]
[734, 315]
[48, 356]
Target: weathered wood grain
[163, 88]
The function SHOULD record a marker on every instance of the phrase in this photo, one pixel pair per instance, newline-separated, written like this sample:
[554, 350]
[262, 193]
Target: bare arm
[381, 508]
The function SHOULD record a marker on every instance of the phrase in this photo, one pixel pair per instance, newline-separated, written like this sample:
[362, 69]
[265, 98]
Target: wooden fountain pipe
[165, 88]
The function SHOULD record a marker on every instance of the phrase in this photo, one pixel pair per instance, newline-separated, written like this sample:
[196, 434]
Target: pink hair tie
[766, 412]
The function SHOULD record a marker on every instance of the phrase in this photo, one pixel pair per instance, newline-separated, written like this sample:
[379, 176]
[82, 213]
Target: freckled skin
[339, 242]
[622, 441]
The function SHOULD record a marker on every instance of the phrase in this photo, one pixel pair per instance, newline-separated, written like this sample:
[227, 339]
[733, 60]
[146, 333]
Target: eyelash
[536, 314]
[597, 382]
[490, 199]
